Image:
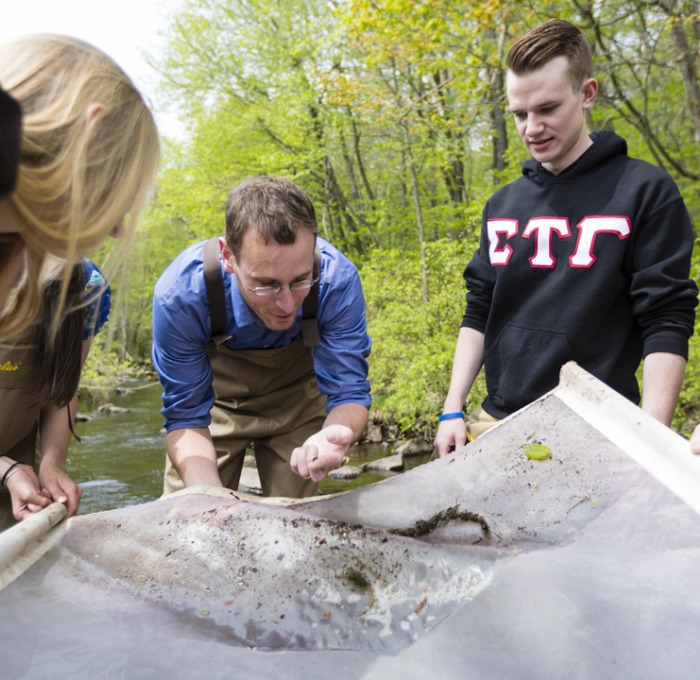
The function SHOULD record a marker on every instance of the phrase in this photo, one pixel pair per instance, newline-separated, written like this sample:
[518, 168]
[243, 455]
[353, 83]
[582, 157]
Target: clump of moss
[356, 578]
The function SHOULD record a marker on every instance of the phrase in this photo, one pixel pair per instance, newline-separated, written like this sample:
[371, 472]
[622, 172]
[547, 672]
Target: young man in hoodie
[586, 257]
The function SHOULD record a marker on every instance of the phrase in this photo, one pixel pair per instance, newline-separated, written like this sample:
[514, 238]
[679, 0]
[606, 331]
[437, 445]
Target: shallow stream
[120, 459]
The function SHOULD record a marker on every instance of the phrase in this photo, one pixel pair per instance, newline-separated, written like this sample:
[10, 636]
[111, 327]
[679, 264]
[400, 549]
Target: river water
[121, 457]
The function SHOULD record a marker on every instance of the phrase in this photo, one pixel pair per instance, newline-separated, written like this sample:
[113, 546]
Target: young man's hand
[695, 441]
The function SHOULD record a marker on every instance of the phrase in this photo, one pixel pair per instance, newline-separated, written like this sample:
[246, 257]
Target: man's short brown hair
[553, 38]
[274, 206]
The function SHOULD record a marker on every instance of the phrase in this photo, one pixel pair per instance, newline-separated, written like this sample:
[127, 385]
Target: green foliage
[392, 116]
[413, 343]
[106, 370]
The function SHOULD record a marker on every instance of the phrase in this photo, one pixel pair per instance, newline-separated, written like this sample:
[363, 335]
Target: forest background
[392, 115]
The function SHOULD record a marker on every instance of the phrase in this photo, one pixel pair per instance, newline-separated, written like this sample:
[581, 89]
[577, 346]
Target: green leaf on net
[537, 451]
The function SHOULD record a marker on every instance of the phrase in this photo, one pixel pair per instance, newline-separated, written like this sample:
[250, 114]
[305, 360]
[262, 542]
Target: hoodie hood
[605, 143]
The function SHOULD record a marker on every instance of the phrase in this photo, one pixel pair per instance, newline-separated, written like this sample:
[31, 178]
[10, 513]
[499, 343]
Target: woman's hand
[60, 488]
[25, 491]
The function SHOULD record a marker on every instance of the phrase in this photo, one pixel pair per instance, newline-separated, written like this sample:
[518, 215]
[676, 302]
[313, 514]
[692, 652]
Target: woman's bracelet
[8, 471]
[450, 416]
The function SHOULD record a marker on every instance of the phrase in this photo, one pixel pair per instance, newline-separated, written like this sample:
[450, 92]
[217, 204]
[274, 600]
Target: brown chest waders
[18, 419]
[265, 397]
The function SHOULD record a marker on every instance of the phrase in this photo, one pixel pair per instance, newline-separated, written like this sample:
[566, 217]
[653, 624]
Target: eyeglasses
[295, 287]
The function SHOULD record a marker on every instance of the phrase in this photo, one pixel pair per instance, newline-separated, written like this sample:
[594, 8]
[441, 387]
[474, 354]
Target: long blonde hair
[89, 154]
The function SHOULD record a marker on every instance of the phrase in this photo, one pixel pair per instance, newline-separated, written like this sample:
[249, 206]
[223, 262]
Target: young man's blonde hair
[553, 38]
[89, 154]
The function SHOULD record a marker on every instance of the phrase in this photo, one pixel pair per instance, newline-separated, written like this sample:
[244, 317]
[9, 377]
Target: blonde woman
[88, 155]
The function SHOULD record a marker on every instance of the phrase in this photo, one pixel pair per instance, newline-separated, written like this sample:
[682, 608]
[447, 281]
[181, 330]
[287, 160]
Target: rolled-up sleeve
[340, 361]
[479, 278]
[663, 295]
[180, 336]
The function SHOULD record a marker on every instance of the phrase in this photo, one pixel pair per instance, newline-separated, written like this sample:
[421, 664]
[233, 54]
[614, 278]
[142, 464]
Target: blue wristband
[450, 416]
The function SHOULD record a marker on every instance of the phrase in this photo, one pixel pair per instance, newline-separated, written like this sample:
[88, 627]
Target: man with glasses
[260, 337]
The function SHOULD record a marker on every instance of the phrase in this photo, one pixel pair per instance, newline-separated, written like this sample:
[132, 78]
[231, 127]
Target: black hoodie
[590, 265]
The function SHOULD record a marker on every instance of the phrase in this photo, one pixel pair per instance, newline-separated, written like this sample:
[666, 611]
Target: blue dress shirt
[182, 330]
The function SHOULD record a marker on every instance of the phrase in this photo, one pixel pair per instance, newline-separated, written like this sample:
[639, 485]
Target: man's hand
[322, 452]
[451, 435]
[26, 494]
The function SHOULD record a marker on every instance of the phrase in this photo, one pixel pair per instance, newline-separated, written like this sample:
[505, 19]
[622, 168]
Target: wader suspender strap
[215, 291]
[309, 308]
[217, 301]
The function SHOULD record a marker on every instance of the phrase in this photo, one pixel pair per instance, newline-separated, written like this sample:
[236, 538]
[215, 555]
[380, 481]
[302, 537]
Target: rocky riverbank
[393, 458]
